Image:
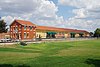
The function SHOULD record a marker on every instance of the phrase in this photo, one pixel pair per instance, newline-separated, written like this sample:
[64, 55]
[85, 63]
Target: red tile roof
[49, 28]
[60, 29]
[28, 23]
[23, 22]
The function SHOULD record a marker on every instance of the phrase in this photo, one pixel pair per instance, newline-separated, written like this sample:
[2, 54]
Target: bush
[23, 43]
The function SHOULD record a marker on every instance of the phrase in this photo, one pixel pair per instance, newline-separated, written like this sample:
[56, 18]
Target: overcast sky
[77, 14]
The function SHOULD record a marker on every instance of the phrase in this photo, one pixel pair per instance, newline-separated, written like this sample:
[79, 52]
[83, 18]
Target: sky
[75, 14]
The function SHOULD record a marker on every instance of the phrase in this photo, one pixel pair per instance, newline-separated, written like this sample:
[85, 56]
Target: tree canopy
[97, 32]
[3, 27]
[91, 34]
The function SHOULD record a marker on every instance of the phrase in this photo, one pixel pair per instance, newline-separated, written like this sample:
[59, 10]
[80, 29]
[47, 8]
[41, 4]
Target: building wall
[43, 34]
[40, 33]
[15, 30]
[28, 33]
[18, 31]
[61, 35]
[77, 35]
[67, 35]
[4, 35]
[86, 34]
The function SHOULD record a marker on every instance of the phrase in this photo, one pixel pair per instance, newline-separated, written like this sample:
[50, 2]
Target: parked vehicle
[5, 40]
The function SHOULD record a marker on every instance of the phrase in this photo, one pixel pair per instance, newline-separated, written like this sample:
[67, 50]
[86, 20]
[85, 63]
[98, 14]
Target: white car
[5, 40]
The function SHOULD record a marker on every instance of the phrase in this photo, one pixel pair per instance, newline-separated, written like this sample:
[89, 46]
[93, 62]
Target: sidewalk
[52, 40]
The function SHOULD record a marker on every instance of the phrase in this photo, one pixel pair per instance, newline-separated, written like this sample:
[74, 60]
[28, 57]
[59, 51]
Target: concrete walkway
[17, 43]
[52, 40]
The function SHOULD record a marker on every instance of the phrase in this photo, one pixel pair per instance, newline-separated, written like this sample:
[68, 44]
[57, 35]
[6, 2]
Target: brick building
[20, 29]
[5, 35]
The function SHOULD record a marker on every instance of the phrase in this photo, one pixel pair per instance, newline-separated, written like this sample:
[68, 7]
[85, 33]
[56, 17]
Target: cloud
[44, 12]
[18, 7]
[14, 9]
[86, 12]
[41, 12]
[80, 3]
[82, 24]
[10, 19]
[80, 13]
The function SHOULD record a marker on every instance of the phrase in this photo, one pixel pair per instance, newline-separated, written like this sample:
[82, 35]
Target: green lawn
[52, 54]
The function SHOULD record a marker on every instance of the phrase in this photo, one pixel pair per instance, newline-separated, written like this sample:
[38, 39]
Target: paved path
[17, 43]
[52, 40]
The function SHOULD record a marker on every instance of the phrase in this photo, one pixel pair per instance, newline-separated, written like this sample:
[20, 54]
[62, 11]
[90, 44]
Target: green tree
[3, 27]
[97, 32]
[91, 34]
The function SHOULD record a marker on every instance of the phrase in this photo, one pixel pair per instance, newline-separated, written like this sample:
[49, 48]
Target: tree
[3, 27]
[91, 34]
[97, 32]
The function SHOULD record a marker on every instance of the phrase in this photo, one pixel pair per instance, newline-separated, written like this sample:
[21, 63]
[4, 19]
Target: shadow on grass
[6, 65]
[10, 65]
[95, 62]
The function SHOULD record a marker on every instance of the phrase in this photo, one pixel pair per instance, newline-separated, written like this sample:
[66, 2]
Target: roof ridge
[25, 22]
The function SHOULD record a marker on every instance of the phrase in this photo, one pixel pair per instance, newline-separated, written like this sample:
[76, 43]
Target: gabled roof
[23, 22]
[60, 29]
[49, 28]
[80, 31]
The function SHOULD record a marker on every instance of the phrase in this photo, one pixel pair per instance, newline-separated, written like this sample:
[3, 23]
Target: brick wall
[4, 35]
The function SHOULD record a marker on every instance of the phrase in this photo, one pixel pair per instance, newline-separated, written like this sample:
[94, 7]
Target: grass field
[52, 54]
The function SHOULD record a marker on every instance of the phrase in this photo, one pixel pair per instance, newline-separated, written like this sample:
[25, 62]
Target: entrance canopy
[51, 33]
[72, 33]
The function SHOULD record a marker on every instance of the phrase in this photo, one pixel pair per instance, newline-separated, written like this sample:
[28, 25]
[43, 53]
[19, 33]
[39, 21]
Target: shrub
[23, 43]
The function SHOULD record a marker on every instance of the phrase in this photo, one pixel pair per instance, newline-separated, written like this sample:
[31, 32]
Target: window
[25, 34]
[28, 27]
[19, 35]
[31, 27]
[15, 29]
[25, 27]
[20, 27]
[37, 35]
